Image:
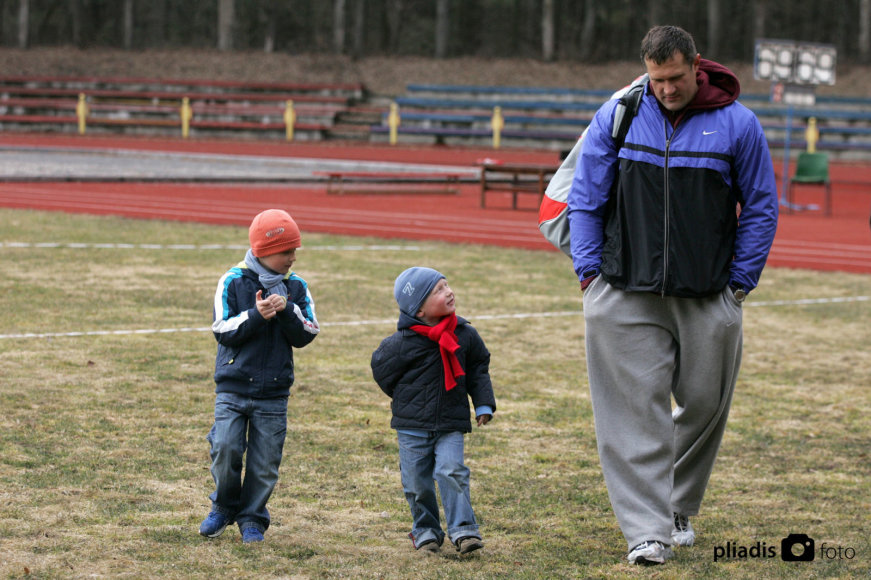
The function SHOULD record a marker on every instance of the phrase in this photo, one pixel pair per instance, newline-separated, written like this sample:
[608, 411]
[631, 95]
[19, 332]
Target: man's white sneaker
[683, 533]
[650, 552]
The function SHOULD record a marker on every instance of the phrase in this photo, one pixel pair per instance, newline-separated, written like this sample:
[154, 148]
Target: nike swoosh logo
[708, 132]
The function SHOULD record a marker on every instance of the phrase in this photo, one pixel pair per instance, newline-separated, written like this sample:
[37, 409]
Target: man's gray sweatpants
[642, 350]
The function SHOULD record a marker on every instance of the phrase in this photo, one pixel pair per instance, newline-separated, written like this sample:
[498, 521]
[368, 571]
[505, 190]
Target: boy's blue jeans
[259, 427]
[424, 460]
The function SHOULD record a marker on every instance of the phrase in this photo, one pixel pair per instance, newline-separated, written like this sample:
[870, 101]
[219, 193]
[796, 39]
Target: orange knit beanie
[273, 231]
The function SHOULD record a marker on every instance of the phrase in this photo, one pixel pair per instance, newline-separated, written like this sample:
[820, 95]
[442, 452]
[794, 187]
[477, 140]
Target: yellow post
[497, 123]
[393, 122]
[186, 115]
[289, 119]
[82, 113]
[812, 135]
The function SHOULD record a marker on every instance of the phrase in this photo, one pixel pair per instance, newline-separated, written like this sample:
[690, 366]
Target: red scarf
[443, 333]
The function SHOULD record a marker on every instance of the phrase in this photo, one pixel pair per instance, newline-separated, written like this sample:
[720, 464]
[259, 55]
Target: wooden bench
[515, 178]
[312, 121]
[374, 182]
[134, 84]
[172, 96]
[151, 105]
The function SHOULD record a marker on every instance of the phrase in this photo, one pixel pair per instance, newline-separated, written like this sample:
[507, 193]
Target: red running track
[804, 239]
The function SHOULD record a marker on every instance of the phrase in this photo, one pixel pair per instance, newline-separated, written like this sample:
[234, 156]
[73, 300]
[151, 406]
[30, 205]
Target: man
[665, 263]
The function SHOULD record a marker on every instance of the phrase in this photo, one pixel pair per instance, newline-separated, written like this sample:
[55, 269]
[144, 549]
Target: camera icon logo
[797, 548]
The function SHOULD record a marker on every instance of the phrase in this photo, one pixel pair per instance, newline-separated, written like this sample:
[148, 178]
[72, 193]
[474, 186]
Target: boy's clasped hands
[271, 305]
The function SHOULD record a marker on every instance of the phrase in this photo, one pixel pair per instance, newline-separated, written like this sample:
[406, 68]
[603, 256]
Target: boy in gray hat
[430, 367]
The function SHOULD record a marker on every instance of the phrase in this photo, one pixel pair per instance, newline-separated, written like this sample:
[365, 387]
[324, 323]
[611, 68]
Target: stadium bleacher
[544, 117]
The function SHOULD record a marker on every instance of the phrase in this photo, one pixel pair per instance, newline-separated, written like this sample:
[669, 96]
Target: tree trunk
[654, 13]
[865, 31]
[547, 31]
[713, 48]
[128, 24]
[394, 22]
[339, 26]
[76, 18]
[588, 29]
[442, 28]
[359, 28]
[23, 23]
[226, 23]
[156, 33]
[760, 12]
[267, 18]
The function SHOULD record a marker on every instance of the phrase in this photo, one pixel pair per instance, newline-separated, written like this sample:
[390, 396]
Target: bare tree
[23, 23]
[547, 30]
[128, 24]
[442, 29]
[760, 14]
[394, 20]
[359, 28]
[654, 13]
[713, 27]
[226, 24]
[339, 26]
[865, 30]
[588, 29]
[157, 32]
[76, 19]
[266, 14]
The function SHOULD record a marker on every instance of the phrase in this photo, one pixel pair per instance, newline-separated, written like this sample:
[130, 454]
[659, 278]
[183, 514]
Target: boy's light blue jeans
[259, 427]
[425, 459]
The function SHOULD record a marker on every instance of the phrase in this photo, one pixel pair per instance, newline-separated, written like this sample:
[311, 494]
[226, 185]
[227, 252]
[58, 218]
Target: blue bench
[439, 133]
[472, 118]
[506, 104]
[600, 94]
[459, 111]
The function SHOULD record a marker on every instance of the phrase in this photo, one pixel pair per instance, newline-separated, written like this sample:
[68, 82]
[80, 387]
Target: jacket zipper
[665, 264]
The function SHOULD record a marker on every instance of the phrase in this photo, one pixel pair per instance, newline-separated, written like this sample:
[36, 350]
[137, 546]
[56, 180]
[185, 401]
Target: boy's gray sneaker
[214, 525]
[469, 544]
[683, 533]
[650, 552]
[429, 547]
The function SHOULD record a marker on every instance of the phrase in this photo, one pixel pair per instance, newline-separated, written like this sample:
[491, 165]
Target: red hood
[718, 86]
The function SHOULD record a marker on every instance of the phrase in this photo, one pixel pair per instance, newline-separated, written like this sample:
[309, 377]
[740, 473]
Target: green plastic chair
[812, 169]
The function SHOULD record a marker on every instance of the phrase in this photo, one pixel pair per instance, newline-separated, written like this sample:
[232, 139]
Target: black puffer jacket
[408, 368]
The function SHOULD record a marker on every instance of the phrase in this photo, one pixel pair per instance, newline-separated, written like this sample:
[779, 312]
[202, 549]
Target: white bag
[553, 223]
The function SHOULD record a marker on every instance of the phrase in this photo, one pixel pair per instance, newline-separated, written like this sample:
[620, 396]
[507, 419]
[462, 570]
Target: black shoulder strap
[627, 108]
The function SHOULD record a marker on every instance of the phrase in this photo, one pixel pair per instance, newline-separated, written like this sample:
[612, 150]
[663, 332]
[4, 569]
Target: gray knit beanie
[413, 286]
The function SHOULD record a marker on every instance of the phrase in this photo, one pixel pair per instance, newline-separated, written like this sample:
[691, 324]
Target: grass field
[107, 396]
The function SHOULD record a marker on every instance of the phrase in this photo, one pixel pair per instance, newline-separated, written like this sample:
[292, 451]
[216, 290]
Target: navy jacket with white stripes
[255, 355]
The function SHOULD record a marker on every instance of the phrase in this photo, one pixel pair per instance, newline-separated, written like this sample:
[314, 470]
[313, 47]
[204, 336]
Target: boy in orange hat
[262, 311]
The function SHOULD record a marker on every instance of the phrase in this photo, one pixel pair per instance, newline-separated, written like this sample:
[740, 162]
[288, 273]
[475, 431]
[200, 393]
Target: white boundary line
[804, 302]
[99, 246]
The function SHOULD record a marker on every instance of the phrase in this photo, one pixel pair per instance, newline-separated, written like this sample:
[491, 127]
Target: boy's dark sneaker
[251, 535]
[214, 525]
[469, 544]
